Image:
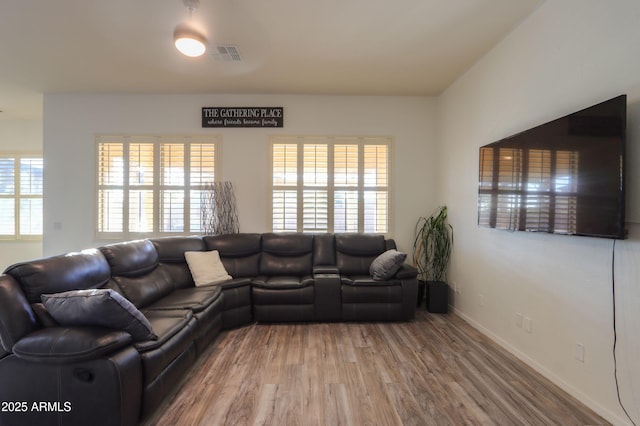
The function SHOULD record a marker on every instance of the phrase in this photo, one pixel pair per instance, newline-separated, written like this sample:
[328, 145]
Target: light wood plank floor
[436, 370]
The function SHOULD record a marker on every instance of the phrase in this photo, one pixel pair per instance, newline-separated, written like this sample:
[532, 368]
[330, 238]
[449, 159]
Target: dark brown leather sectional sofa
[88, 374]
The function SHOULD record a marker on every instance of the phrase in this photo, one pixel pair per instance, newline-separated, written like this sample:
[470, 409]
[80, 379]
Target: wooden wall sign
[242, 116]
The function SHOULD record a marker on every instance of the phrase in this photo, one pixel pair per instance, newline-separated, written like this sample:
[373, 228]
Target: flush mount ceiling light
[189, 41]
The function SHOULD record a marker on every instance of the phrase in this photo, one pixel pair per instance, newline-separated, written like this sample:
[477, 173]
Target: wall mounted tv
[562, 177]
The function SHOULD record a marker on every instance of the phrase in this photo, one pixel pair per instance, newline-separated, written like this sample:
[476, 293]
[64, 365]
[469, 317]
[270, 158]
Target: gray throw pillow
[387, 264]
[103, 307]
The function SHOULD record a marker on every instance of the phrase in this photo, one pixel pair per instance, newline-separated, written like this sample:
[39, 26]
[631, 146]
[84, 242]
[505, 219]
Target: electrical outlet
[481, 300]
[579, 352]
[456, 290]
[528, 325]
[518, 320]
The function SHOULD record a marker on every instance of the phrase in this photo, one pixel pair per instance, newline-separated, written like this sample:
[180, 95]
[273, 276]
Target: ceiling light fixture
[189, 41]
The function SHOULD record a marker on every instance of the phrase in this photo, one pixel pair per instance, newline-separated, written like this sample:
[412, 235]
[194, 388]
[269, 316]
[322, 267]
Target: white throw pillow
[206, 267]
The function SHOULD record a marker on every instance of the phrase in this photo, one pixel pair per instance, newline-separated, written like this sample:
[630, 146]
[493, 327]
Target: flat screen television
[562, 177]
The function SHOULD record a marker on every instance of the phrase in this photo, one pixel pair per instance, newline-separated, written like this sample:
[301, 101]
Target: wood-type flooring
[436, 370]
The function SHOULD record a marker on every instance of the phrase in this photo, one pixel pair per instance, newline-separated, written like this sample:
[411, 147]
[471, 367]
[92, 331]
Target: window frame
[157, 186]
[331, 187]
[18, 196]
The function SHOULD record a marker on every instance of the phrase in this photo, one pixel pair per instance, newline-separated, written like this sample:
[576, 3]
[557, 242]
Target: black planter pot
[422, 286]
[437, 297]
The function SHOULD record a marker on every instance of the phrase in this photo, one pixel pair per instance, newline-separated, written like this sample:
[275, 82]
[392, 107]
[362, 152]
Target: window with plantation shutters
[152, 185]
[21, 190]
[330, 184]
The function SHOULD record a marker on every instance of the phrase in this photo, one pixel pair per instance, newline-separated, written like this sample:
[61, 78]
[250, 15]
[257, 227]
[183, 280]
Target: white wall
[19, 135]
[71, 121]
[568, 55]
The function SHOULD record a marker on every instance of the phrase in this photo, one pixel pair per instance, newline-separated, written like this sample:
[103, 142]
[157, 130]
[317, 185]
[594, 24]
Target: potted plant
[431, 255]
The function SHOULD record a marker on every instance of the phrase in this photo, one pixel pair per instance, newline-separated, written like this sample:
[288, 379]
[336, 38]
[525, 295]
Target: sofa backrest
[240, 253]
[73, 271]
[16, 317]
[171, 257]
[286, 254]
[324, 251]
[135, 272]
[356, 252]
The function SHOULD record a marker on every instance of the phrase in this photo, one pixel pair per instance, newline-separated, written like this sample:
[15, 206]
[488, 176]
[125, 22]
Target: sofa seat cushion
[284, 282]
[166, 324]
[66, 345]
[195, 299]
[282, 296]
[175, 330]
[371, 294]
[366, 280]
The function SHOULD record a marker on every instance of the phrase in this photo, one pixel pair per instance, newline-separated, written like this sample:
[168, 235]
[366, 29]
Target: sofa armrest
[327, 293]
[105, 391]
[325, 269]
[406, 271]
[409, 296]
[16, 316]
[65, 345]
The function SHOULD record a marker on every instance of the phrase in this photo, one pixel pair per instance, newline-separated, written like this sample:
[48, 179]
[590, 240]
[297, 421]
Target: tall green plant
[432, 245]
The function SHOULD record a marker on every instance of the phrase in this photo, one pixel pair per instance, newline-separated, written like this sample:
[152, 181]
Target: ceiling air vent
[226, 53]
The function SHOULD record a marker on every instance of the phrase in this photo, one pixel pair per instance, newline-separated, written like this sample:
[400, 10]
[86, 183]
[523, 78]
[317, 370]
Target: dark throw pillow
[103, 307]
[387, 264]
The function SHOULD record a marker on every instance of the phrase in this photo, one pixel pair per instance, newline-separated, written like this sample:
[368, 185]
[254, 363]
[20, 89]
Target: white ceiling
[350, 47]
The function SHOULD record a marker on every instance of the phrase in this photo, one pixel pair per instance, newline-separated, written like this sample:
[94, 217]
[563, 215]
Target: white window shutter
[330, 184]
[153, 185]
